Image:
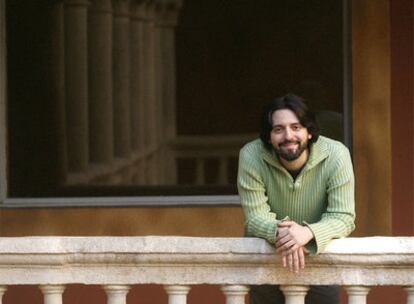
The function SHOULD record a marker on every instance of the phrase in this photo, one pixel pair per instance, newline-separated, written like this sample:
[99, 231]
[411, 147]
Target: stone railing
[116, 263]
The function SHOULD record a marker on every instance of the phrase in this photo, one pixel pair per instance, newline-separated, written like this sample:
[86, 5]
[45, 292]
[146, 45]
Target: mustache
[286, 142]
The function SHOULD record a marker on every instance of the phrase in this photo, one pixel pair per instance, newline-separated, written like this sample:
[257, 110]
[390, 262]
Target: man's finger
[290, 261]
[295, 261]
[284, 263]
[286, 246]
[301, 258]
[281, 232]
[290, 250]
[285, 224]
[283, 240]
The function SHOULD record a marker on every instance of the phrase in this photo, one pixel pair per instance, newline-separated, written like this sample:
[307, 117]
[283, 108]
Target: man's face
[288, 137]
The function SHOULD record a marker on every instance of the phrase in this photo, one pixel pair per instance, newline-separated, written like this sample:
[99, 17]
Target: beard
[291, 154]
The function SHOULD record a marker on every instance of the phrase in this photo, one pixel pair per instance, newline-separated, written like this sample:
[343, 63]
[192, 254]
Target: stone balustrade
[117, 263]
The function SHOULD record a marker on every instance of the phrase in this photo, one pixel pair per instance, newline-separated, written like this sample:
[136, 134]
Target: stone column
[56, 81]
[121, 67]
[177, 294]
[410, 294]
[2, 292]
[52, 294]
[152, 125]
[357, 294]
[138, 111]
[294, 294]
[235, 294]
[166, 22]
[76, 79]
[116, 294]
[100, 82]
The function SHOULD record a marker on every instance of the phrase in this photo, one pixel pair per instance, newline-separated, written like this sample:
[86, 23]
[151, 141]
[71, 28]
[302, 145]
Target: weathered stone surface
[189, 260]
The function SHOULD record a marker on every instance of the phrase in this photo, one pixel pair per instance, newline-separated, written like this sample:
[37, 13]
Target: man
[297, 192]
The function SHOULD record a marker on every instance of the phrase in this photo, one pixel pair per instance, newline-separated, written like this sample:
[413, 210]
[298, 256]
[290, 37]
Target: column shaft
[151, 94]
[121, 66]
[2, 292]
[166, 21]
[57, 86]
[76, 78]
[52, 294]
[100, 82]
[294, 294]
[357, 294]
[177, 294]
[410, 294]
[235, 294]
[116, 294]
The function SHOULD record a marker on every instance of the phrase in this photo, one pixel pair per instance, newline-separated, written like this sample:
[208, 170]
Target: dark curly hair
[297, 105]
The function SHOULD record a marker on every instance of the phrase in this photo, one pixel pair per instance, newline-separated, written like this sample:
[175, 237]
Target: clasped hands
[290, 241]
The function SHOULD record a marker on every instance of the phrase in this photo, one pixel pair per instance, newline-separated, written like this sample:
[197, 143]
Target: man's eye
[296, 128]
[277, 130]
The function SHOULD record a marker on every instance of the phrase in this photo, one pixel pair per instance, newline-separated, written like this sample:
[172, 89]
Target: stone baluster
[177, 294]
[357, 294]
[76, 80]
[235, 294]
[410, 294]
[200, 171]
[121, 72]
[166, 22]
[52, 294]
[116, 294]
[223, 177]
[2, 292]
[294, 294]
[100, 82]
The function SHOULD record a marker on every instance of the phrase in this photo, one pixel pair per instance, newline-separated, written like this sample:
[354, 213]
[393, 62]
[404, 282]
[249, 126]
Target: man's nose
[288, 134]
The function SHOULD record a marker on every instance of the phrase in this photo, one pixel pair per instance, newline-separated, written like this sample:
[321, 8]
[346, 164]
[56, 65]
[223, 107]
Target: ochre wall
[190, 221]
[371, 116]
[402, 116]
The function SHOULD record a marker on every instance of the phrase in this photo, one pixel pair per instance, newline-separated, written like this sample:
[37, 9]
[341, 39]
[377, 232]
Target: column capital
[116, 289]
[52, 289]
[167, 12]
[76, 2]
[104, 6]
[177, 289]
[357, 290]
[235, 289]
[3, 289]
[121, 7]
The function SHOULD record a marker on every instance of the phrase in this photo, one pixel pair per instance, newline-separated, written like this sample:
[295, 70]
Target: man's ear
[309, 136]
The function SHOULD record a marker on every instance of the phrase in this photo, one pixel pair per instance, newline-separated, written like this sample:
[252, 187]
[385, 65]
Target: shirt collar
[318, 152]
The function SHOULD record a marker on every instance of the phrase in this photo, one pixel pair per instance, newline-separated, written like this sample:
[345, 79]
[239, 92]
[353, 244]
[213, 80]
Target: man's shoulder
[253, 150]
[330, 145]
[331, 149]
[254, 146]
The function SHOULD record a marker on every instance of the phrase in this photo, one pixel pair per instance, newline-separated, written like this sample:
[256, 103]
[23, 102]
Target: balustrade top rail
[199, 260]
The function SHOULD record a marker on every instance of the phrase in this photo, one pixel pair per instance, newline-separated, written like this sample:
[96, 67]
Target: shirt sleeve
[338, 219]
[259, 220]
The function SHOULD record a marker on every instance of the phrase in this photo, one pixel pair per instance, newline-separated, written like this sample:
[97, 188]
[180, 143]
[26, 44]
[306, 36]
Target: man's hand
[295, 261]
[291, 236]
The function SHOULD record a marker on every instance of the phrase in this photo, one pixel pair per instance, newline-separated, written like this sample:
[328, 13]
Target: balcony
[177, 263]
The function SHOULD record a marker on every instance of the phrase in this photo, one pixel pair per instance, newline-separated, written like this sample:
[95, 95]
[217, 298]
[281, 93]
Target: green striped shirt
[321, 197]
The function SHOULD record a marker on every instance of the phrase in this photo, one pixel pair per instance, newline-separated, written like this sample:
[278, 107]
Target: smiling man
[297, 192]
